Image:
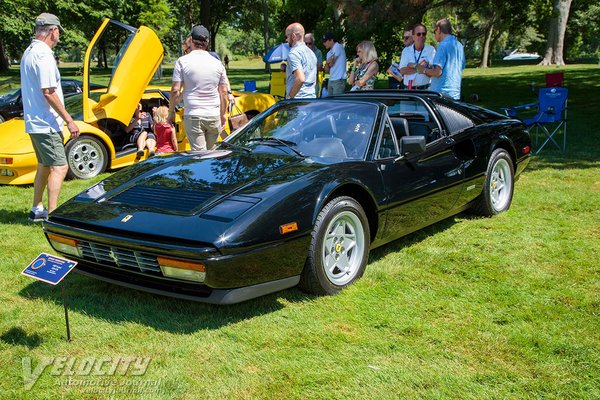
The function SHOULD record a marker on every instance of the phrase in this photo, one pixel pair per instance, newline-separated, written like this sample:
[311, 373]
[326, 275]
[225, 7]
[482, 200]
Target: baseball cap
[199, 32]
[328, 36]
[48, 19]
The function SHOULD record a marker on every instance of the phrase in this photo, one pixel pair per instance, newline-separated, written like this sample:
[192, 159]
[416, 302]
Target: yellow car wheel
[86, 157]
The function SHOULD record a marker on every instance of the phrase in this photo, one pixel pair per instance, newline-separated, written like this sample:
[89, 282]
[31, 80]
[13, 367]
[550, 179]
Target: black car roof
[392, 92]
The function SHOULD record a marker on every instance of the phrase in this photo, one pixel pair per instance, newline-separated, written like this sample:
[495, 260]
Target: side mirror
[410, 145]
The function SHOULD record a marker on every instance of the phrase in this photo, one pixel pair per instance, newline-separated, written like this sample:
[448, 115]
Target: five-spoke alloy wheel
[499, 185]
[86, 156]
[339, 247]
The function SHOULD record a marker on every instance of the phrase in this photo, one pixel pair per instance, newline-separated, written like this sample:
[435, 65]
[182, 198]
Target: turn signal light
[6, 160]
[64, 245]
[179, 269]
[526, 150]
[288, 228]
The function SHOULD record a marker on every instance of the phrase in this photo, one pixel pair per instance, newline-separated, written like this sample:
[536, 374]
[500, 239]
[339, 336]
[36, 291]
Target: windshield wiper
[235, 146]
[286, 143]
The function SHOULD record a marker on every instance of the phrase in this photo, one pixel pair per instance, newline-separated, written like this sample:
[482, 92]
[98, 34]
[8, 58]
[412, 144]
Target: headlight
[64, 245]
[179, 269]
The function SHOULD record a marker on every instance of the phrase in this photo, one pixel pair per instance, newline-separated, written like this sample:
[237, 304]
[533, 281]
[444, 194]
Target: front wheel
[339, 247]
[497, 193]
[86, 157]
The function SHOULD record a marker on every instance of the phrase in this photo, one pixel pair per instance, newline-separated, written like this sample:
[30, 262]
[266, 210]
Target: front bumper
[188, 291]
[230, 278]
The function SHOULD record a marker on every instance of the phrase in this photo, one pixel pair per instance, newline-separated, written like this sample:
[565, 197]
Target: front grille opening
[119, 257]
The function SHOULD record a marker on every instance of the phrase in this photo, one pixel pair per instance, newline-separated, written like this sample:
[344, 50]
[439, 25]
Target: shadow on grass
[416, 237]
[560, 162]
[117, 304]
[16, 336]
[16, 217]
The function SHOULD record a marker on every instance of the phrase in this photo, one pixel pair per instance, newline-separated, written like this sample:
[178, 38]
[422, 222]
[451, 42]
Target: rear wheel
[497, 193]
[86, 157]
[339, 247]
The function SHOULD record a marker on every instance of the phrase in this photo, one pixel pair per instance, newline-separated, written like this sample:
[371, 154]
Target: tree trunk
[556, 33]
[4, 63]
[489, 30]
[266, 32]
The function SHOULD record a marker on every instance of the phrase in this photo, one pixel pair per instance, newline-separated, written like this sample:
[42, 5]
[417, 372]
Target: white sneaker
[38, 216]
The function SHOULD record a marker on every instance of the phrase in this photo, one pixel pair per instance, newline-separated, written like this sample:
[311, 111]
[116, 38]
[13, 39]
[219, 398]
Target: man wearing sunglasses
[448, 62]
[415, 59]
[309, 39]
[394, 69]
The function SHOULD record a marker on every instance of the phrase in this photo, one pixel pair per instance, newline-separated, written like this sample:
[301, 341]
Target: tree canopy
[561, 28]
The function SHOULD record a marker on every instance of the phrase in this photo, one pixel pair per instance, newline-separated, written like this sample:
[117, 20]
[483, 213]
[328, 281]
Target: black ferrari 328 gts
[296, 197]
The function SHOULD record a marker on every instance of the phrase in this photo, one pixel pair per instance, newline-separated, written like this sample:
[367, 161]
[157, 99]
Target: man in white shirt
[45, 114]
[201, 80]
[414, 57]
[335, 64]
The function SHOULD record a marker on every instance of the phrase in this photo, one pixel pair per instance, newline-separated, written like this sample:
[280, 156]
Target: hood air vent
[164, 198]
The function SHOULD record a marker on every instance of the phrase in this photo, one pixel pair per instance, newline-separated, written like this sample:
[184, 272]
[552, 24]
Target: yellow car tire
[86, 157]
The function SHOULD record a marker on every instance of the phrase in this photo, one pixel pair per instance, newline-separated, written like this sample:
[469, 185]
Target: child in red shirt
[166, 140]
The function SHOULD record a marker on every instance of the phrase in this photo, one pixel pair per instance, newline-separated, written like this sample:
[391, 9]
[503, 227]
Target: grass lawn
[506, 307]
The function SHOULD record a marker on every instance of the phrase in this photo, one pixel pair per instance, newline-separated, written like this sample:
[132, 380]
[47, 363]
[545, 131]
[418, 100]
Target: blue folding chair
[551, 118]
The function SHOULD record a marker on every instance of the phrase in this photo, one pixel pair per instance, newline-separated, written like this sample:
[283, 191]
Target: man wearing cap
[201, 80]
[301, 71]
[335, 64]
[45, 114]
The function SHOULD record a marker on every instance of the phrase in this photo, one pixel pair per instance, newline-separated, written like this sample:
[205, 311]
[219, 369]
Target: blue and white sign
[48, 268]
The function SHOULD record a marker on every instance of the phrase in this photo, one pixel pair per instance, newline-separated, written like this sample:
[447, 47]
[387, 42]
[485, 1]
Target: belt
[422, 87]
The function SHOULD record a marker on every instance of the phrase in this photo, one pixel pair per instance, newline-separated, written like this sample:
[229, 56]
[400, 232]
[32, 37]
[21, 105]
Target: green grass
[505, 307]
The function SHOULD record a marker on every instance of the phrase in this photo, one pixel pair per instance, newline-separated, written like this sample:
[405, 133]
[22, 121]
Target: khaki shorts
[49, 148]
[336, 87]
[202, 132]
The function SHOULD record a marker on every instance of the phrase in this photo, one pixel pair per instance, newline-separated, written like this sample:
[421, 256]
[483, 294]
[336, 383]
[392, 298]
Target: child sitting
[138, 135]
[166, 140]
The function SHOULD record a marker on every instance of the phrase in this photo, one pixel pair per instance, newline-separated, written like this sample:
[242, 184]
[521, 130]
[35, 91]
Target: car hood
[176, 196]
[13, 139]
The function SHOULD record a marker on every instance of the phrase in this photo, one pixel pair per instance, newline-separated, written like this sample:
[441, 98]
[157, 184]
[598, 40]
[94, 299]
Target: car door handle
[449, 141]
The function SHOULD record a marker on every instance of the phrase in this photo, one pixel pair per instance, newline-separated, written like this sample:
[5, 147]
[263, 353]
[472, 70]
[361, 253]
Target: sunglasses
[421, 34]
[309, 43]
[406, 37]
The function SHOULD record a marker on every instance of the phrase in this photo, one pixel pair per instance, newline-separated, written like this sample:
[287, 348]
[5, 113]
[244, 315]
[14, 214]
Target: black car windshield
[329, 129]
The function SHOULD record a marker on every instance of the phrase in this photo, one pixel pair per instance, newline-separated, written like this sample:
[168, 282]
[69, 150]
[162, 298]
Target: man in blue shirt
[448, 63]
[301, 72]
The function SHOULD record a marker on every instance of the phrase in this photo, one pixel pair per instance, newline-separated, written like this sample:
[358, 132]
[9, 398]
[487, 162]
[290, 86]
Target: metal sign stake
[64, 295]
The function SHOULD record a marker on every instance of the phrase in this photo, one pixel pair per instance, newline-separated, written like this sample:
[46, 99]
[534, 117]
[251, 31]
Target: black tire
[251, 114]
[499, 185]
[86, 156]
[331, 266]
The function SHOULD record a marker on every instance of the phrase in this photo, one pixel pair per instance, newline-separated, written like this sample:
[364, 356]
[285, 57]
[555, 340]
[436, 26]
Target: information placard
[48, 268]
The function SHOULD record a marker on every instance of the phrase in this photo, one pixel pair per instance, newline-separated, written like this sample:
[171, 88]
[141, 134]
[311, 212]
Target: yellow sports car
[102, 115]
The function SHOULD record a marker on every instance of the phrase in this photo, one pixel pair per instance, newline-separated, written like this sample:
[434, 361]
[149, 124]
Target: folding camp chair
[550, 121]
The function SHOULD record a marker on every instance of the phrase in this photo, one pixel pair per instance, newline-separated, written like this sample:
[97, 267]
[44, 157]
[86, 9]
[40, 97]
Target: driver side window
[387, 145]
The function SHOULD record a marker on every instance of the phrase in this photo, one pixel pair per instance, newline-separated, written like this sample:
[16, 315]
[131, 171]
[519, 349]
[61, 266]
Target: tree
[556, 33]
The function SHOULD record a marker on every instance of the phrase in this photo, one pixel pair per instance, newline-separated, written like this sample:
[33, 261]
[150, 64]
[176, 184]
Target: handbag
[238, 120]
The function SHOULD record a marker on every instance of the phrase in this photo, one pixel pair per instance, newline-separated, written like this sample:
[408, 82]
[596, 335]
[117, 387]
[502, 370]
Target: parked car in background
[298, 196]
[103, 113]
[11, 104]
